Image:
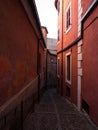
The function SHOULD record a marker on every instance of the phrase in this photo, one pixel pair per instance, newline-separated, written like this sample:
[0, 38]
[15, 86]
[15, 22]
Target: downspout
[62, 53]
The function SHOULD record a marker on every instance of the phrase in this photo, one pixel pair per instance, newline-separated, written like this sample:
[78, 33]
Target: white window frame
[67, 29]
[68, 54]
[58, 67]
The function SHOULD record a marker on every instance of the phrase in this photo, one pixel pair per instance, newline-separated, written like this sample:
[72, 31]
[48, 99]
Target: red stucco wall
[68, 38]
[18, 49]
[86, 5]
[74, 75]
[73, 85]
[71, 35]
[90, 65]
[90, 55]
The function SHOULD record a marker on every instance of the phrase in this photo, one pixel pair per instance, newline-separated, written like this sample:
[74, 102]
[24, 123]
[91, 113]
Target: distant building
[52, 45]
[51, 60]
[77, 53]
[45, 32]
[22, 61]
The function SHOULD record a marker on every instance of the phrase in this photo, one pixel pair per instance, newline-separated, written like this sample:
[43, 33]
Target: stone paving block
[59, 100]
[55, 113]
[45, 108]
[75, 122]
[65, 108]
[45, 100]
[41, 121]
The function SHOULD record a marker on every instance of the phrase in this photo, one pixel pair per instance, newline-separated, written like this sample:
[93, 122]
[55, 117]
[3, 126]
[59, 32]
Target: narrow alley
[55, 113]
[48, 79]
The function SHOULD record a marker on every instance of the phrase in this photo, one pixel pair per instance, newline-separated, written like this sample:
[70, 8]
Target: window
[58, 34]
[58, 67]
[68, 18]
[68, 67]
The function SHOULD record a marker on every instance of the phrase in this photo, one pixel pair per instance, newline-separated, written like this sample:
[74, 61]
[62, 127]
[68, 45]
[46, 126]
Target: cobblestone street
[55, 113]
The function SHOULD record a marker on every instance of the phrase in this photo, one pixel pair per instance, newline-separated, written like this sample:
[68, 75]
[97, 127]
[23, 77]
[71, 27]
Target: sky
[48, 16]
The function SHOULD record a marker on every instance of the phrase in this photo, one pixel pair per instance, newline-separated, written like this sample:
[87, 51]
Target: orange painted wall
[89, 54]
[68, 38]
[86, 5]
[73, 85]
[74, 75]
[18, 49]
[59, 43]
[71, 35]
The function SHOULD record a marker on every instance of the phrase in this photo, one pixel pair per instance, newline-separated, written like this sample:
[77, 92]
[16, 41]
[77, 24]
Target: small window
[58, 34]
[58, 67]
[68, 18]
[68, 67]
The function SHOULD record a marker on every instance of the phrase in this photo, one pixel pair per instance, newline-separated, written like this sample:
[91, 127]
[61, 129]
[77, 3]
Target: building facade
[51, 63]
[22, 61]
[77, 53]
[51, 60]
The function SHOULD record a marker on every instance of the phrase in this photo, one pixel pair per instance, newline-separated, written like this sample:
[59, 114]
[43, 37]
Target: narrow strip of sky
[48, 16]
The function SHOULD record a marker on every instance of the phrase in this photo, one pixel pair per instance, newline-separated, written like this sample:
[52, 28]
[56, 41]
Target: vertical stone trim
[79, 57]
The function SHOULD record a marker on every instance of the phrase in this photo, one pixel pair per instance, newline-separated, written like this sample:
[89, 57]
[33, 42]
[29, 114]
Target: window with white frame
[68, 18]
[58, 66]
[68, 67]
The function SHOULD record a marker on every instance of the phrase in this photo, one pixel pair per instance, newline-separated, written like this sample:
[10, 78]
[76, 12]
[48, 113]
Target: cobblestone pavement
[55, 113]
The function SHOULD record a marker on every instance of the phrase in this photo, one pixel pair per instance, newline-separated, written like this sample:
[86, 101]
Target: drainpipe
[62, 52]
